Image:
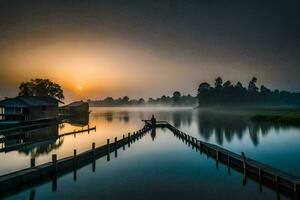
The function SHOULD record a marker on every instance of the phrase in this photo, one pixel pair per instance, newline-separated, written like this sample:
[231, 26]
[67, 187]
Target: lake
[159, 165]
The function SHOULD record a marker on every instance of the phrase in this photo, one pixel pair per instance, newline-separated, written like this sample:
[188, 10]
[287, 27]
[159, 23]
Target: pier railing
[263, 174]
[16, 180]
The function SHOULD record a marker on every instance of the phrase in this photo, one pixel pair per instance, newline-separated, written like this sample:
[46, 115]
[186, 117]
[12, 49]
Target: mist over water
[159, 164]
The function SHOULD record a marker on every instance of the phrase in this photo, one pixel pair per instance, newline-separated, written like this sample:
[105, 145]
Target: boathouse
[29, 108]
[75, 108]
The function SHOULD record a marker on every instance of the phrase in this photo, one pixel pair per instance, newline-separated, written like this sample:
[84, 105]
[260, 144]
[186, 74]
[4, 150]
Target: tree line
[176, 100]
[220, 94]
[229, 94]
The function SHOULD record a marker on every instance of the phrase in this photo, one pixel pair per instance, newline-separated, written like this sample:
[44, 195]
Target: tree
[125, 99]
[252, 85]
[227, 84]
[239, 85]
[204, 95]
[264, 90]
[176, 97]
[41, 87]
[218, 83]
[176, 94]
[141, 101]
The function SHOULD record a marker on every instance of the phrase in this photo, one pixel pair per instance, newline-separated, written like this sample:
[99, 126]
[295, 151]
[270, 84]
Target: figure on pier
[153, 121]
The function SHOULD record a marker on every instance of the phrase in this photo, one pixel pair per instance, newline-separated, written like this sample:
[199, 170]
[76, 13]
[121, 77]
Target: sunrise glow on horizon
[145, 57]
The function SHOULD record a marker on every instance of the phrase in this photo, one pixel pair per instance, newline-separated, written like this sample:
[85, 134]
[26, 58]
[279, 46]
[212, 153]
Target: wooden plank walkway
[261, 173]
[12, 181]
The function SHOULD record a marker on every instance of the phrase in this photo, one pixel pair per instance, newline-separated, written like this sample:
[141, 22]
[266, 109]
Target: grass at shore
[282, 116]
[276, 115]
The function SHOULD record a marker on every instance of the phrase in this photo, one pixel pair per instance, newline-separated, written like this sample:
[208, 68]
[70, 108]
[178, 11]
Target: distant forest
[227, 94]
[220, 94]
[176, 100]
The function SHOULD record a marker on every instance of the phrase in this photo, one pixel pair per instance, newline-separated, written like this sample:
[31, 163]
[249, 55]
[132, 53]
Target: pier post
[116, 147]
[201, 147]
[244, 164]
[32, 162]
[54, 162]
[129, 139]
[123, 142]
[94, 165]
[108, 150]
[108, 146]
[259, 179]
[74, 157]
[93, 149]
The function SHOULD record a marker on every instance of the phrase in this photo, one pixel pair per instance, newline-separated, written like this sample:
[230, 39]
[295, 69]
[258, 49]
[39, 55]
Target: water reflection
[78, 120]
[58, 182]
[153, 134]
[41, 140]
[233, 132]
[220, 126]
[226, 126]
[110, 116]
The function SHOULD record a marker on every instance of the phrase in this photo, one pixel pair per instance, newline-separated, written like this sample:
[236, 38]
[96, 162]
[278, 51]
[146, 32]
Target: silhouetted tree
[125, 99]
[204, 93]
[252, 85]
[218, 83]
[176, 97]
[141, 101]
[227, 94]
[41, 87]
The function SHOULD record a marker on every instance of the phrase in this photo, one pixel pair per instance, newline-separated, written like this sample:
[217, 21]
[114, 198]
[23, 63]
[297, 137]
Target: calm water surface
[158, 165]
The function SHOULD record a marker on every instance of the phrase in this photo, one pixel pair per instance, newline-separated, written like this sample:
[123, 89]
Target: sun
[80, 88]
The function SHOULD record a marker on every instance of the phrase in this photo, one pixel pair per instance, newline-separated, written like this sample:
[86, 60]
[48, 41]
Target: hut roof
[76, 104]
[28, 101]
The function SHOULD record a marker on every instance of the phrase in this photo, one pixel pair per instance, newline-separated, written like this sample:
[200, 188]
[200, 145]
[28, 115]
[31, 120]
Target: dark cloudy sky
[148, 47]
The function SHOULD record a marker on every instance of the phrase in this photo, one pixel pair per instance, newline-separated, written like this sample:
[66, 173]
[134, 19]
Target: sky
[147, 48]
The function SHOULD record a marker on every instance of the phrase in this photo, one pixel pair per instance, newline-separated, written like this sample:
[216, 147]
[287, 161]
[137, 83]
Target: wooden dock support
[74, 158]
[123, 143]
[116, 147]
[244, 164]
[108, 150]
[201, 147]
[93, 149]
[129, 139]
[54, 162]
[260, 179]
[94, 165]
[32, 162]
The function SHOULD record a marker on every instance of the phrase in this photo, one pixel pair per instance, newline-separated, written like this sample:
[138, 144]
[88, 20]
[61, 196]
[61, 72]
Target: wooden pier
[16, 180]
[264, 175]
